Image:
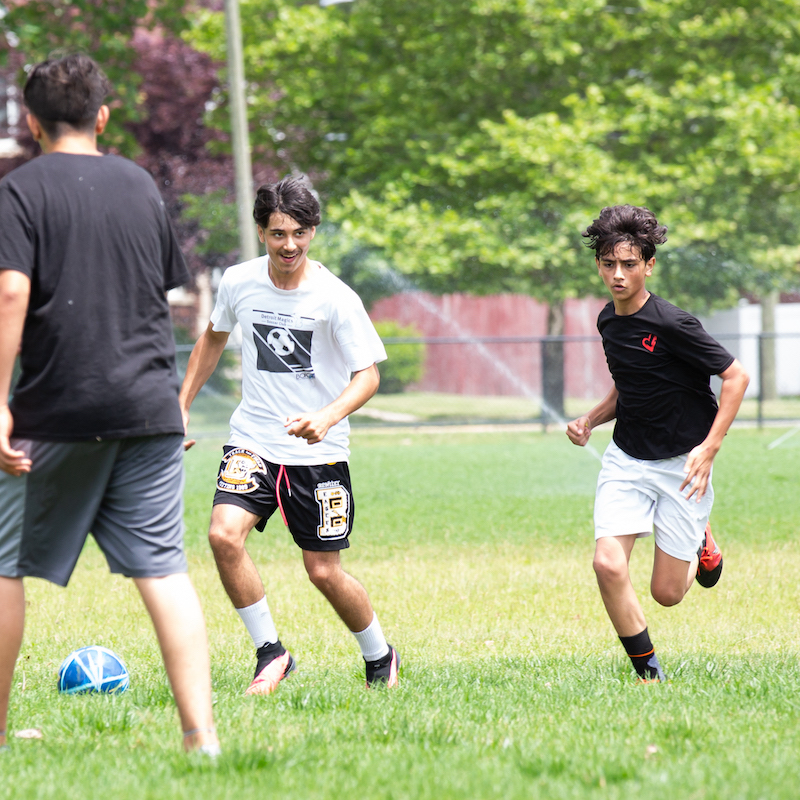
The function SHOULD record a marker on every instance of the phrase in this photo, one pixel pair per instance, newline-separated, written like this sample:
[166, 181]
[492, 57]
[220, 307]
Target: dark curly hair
[66, 91]
[636, 225]
[291, 196]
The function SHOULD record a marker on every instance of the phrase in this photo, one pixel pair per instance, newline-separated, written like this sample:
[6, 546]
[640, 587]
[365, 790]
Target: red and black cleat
[709, 568]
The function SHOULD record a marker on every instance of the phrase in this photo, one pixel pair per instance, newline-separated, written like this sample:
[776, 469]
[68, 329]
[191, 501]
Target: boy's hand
[187, 443]
[579, 431]
[698, 470]
[312, 427]
[14, 462]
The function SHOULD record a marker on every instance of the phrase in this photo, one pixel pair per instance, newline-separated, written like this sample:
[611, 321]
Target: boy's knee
[323, 575]
[667, 595]
[222, 540]
[607, 569]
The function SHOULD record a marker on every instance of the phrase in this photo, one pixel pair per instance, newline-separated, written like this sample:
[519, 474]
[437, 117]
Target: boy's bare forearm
[605, 410]
[735, 381]
[203, 361]
[15, 290]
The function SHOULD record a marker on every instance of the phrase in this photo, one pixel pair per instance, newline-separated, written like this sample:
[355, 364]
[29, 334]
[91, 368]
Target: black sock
[642, 655]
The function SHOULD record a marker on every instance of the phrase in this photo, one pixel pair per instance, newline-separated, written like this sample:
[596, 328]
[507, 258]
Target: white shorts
[636, 496]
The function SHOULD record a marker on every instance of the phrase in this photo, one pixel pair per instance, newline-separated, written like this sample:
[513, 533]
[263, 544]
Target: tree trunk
[553, 366]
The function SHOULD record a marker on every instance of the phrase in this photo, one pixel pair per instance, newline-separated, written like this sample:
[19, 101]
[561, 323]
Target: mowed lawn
[476, 549]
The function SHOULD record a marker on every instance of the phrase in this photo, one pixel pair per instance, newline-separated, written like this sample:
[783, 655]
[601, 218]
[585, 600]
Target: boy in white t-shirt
[309, 355]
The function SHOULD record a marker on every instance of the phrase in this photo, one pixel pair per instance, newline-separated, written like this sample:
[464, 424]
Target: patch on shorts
[238, 470]
[333, 500]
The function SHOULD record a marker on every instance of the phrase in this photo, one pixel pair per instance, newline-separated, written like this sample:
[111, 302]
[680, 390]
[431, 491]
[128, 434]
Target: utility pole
[240, 134]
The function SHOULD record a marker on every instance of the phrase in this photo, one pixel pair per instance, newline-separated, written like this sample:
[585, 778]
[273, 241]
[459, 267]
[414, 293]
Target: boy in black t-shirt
[668, 430]
[92, 439]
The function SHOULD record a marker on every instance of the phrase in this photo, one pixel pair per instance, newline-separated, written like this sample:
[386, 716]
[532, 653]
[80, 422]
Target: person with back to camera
[656, 472]
[309, 359]
[86, 257]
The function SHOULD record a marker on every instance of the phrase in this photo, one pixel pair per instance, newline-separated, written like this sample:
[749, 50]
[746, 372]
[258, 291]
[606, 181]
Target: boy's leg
[230, 527]
[672, 578]
[351, 602]
[347, 596]
[682, 531]
[12, 622]
[611, 560]
[174, 607]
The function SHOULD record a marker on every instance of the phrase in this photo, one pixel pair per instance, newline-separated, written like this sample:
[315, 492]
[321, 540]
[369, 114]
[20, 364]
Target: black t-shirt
[661, 359]
[98, 354]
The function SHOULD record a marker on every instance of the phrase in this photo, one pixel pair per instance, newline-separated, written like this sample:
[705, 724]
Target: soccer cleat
[269, 673]
[709, 567]
[652, 672]
[384, 671]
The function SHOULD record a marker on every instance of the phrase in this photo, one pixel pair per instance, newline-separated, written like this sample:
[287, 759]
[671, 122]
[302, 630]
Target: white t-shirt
[299, 348]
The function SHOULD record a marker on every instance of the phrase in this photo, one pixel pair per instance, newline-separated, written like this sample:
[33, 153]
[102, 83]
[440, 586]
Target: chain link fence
[514, 380]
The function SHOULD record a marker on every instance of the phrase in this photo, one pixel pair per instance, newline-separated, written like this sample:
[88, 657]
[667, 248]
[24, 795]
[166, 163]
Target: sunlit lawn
[476, 550]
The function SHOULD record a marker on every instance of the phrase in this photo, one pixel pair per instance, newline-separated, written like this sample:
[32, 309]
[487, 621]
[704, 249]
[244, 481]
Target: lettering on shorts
[333, 500]
[238, 470]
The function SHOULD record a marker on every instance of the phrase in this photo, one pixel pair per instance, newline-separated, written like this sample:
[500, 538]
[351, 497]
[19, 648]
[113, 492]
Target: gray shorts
[127, 492]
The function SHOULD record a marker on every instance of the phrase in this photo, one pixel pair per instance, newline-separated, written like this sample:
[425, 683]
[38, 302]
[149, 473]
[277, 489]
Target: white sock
[258, 622]
[372, 641]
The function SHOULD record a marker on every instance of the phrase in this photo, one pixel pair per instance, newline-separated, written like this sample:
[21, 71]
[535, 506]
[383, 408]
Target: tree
[520, 116]
[372, 98]
[33, 29]
[162, 87]
[472, 140]
[421, 164]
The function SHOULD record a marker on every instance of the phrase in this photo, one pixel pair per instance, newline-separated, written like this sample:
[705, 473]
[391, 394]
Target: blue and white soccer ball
[93, 669]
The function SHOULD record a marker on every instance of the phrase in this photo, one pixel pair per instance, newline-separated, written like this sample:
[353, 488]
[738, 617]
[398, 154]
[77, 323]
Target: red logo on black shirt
[649, 342]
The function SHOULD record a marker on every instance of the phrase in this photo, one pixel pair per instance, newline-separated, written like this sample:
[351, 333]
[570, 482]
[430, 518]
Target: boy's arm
[580, 429]
[700, 459]
[202, 363]
[15, 288]
[314, 425]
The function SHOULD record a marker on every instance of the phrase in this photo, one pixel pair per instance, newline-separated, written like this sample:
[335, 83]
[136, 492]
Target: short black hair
[292, 197]
[635, 225]
[66, 91]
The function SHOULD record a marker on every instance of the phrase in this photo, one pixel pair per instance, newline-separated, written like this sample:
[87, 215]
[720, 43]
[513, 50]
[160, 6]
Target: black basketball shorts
[316, 502]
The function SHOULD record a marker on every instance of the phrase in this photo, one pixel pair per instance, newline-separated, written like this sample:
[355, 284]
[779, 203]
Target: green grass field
[476, 550]
[211, 411]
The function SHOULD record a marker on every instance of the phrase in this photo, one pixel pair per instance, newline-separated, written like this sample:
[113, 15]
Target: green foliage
[472, 140]
[406, 360]
[364, 268]
[218, 220]
[101, 29]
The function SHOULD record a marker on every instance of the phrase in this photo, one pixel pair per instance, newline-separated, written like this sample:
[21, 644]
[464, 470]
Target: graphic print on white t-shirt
[300, 348]
[282, 348]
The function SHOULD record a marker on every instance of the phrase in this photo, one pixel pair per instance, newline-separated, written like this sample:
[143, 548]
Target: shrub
[406, 361]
